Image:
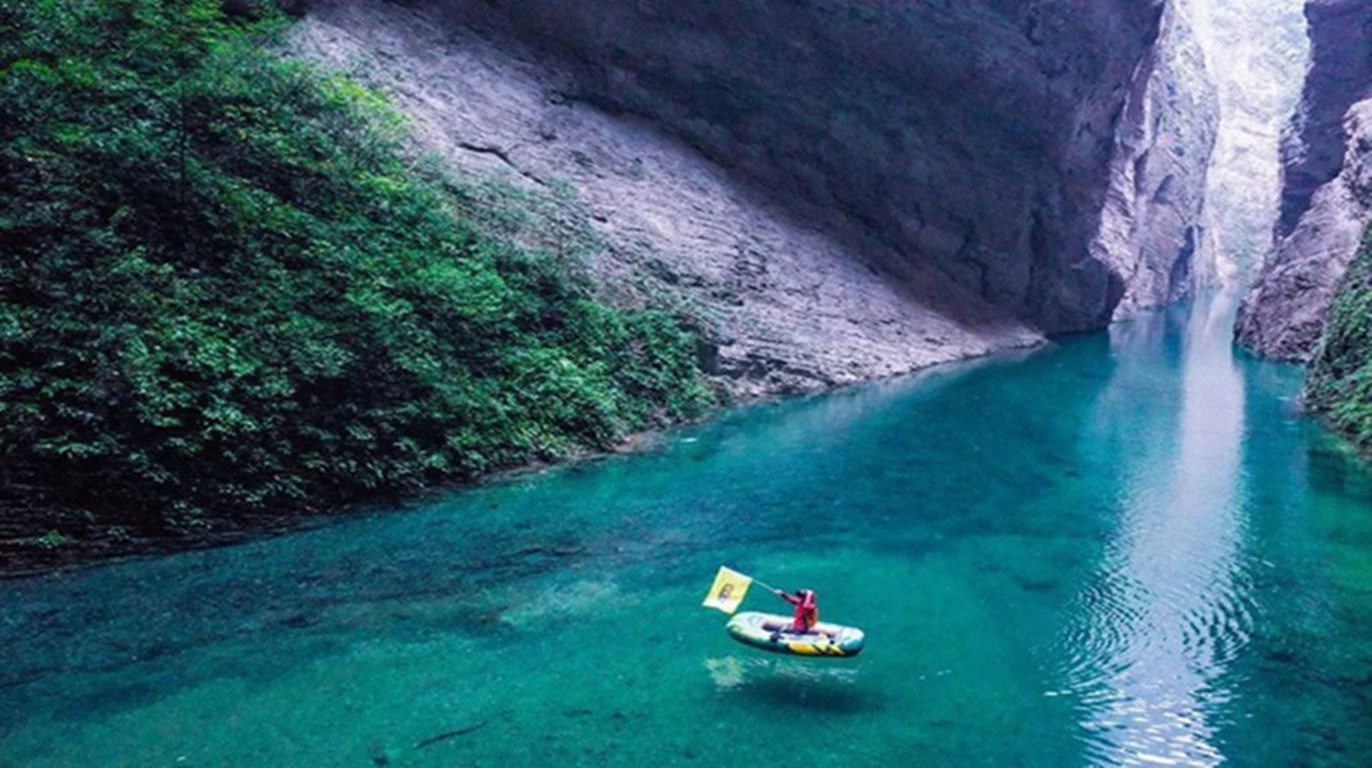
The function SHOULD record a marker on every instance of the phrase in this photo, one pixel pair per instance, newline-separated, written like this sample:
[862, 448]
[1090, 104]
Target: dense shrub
[224, 290]
[1340, 379]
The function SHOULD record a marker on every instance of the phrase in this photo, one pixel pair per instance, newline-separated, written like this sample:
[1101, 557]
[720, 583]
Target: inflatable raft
[770, 633]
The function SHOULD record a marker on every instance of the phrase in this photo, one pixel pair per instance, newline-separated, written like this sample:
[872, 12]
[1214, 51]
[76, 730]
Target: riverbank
[86, 543]
[25, 550]
[233, 297]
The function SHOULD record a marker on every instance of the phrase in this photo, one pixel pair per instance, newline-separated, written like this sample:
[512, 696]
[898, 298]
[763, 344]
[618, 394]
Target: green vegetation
[1340, 379]
[226, 293]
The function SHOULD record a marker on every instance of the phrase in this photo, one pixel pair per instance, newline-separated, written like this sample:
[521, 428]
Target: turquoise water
[1122, 549]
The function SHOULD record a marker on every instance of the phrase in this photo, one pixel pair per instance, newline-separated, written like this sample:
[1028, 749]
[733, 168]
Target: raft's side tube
[771, 633]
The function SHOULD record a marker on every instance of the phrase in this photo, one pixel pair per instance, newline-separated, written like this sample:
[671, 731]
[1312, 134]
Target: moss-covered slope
[1340, 378]
[226, 293]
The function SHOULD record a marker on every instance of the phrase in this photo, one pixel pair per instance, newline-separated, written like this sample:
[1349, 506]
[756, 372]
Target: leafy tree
[225, 292]
[1340, 379]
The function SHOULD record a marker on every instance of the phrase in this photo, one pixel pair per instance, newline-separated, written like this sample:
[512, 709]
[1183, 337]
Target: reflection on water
[1170, 608]
[780, 683]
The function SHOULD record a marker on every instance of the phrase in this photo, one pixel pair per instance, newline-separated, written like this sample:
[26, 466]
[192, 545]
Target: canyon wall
[838, 190]
[1151, 230]
[1258, 52]
[1327, 187]
[973, 137]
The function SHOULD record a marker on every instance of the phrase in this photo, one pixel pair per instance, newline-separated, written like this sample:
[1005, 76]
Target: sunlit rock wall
[1340, 75]
[1327, 187]
[1151, 229]
[1258, 51]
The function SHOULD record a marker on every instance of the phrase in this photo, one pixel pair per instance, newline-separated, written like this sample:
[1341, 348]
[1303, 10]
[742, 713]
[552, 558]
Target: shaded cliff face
[1327, 188]
[787, 307]
[1151, 230]
[1340, 75]
[835, 192]
[971, 137]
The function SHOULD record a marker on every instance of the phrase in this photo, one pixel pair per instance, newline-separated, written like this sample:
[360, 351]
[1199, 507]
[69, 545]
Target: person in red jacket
[807, 611]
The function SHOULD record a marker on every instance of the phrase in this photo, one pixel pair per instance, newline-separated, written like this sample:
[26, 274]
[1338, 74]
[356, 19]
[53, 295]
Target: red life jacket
[807, 611]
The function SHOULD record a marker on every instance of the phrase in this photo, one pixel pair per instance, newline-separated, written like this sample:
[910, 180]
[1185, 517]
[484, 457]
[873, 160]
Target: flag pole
[762, 583]
[765, 585]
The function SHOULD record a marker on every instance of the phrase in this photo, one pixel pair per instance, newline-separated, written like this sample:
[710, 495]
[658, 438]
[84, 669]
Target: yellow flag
[728, 590]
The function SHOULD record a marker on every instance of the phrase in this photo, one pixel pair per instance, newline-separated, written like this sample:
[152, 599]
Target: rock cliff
[1151, 230]
[1327, 187]
[1258, 51]
[841, 191]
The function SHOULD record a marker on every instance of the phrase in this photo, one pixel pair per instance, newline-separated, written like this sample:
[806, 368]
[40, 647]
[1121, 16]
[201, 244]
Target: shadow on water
[784, 693]
[797, 686]
[201, 616]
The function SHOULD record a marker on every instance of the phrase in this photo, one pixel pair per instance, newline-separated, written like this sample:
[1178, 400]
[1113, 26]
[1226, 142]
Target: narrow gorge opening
[1256, 53]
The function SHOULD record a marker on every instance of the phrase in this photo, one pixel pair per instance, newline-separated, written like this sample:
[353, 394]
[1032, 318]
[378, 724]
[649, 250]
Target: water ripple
[1144, 663]
[1170, 607]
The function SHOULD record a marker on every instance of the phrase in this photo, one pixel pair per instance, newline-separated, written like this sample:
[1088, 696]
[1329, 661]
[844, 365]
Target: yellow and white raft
[772, 633]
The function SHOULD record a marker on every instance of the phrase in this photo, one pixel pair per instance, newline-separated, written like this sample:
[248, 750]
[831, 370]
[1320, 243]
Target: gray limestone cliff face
[838, 191]
[1151, 230]
[1327, 188]
[785, 305]
[970, 138]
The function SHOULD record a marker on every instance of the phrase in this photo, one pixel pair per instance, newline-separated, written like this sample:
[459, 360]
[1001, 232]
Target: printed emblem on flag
[728, 590]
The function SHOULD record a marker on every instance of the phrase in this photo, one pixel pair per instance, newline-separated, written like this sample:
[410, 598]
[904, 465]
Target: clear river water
[1125, 548]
